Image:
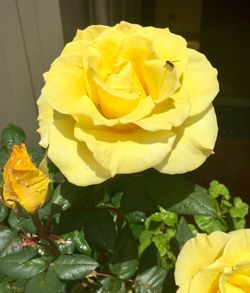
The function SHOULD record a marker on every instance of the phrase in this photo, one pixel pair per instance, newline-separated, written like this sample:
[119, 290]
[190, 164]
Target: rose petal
[199, 81]
[86, 107]
[238, 247]
[126, 151]
[194, 143]
[197, 253]
[160, 81]
[90, 33]
[65, 83]
[240, 281]
[72, 157]
[206, 279]
[228, 288]
[171, 113]
[113, 103]
[45, 119]
[169, 47]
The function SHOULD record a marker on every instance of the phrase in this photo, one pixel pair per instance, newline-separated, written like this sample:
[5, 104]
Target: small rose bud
[24, 183]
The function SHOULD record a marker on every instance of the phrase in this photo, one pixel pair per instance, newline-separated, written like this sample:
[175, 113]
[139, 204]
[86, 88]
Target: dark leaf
[197, 203]
[44, 283]
[8, 242]
[99, 229]
[112, 285]
[12, 135]
[3, 157]
[81, 244]
[135, 196]
[149, 258]
[22, 265]
[5, 287]
[21, 223]
[70, 220]
[3, 212]
[168, 190]
[124, 260]
[73, 267]
[150, 281]
[67, 246]
[183, 233]
[19, 286]
[36, 155]
[169, 283]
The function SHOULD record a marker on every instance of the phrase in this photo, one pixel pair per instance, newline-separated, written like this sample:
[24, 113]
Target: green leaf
[3, 157]
[99, 229]
[216, 189]
[162, 242]
[3, 212]
[19, 286]
[22, 265]
[150, 281]
[183, 233]
[36, 154]
[68, 244]
[12, 135]
[168, 190]
[124, 260]
[168, 218]
[81, 244]
[63, 201]
[8, 242]
[70, 220]
[239, 223]
[21, 223]
[197, 203]
[240, 208]
[135, 196]
[145, 240]
[136, 222]
[149, 258]
[210, 224]
[73, 267]
[5, 287]
[44, 283]
[112, 285]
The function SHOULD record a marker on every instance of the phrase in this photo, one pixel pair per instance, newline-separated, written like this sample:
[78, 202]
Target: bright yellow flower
[126, 98]
[24, 183]
[215, 263]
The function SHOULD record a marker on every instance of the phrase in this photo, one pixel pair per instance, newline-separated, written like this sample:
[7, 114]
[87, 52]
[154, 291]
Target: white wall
[30, 38]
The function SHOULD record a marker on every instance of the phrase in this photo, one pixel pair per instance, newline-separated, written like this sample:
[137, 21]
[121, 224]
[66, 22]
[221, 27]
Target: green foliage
[75, 266]
[183, 233]
[119, 236]
[124, 260]
[47, 282]
[11, 135]
[22, 265]
[150, 281]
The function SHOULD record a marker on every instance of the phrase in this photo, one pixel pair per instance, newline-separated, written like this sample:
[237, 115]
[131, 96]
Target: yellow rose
[23, 181]
[215, 263]
[126, 98]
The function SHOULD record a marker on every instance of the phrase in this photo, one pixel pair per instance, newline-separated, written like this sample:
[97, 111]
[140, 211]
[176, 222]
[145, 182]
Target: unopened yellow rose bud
[24, 183]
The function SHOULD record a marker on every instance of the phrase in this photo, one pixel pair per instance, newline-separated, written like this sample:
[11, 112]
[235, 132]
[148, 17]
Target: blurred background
[33, 32]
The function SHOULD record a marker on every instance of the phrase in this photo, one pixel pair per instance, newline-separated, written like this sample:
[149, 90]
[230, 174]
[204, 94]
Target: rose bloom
[24, 183]
[126, 98]
[215, 263]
